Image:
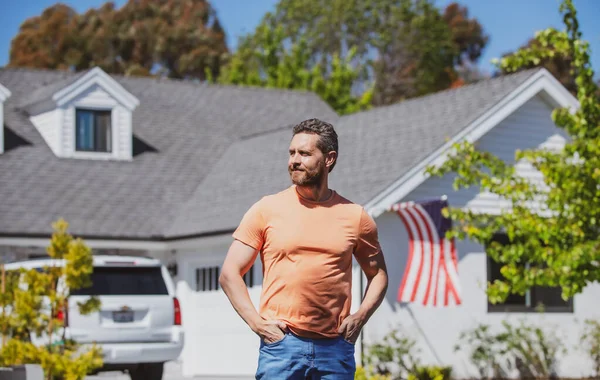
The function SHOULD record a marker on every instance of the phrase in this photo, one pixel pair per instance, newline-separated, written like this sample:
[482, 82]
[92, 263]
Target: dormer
[88, 116]
[4, 94]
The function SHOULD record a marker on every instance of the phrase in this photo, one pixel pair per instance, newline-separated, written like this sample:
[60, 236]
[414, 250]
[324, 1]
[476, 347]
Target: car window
[125, 281]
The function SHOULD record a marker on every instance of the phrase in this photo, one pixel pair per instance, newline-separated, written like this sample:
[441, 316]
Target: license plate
[123, 316]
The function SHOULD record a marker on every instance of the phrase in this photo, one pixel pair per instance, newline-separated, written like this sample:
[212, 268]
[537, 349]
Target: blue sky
[510, 23]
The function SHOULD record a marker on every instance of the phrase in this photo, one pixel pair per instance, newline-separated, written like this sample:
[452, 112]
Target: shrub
[395, 355]
[431, 373]
[524, 348]
[33, 303]
[591, 339]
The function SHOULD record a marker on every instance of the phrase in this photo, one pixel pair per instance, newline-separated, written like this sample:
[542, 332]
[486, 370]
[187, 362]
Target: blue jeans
[297, 358]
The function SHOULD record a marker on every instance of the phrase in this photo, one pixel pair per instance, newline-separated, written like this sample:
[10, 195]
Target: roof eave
[101, 78]
[542, 82]
[4, 93]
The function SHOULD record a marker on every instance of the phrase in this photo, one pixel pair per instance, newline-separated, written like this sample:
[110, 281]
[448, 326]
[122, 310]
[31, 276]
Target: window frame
[206, 278]
[94, 111]
[568, 307]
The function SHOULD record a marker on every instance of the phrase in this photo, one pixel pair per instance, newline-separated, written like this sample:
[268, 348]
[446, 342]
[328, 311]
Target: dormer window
[86, 116]
[93, 132]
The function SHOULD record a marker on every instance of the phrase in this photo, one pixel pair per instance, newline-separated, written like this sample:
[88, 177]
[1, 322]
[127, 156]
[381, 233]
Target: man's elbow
[225, 278]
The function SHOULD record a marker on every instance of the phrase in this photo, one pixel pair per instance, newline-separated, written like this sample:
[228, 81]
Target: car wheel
[147, 371]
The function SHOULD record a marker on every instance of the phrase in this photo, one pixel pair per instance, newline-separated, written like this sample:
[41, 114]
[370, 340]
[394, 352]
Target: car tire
[147, 371]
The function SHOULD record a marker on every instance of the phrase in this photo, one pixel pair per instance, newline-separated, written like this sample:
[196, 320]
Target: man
[307, 236]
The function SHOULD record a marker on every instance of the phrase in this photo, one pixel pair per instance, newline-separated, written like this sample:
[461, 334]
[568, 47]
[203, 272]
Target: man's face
[306, 163]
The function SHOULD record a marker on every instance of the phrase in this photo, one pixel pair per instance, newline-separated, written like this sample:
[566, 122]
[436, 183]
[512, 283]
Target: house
[167, 168]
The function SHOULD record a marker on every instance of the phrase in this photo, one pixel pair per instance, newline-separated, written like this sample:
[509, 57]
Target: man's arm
[238, 261]
[377, 283]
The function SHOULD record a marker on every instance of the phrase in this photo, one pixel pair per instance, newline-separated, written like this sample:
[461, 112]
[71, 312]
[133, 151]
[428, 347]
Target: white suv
[138, 325]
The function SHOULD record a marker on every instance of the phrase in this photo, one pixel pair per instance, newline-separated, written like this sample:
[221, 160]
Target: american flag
[431, 275]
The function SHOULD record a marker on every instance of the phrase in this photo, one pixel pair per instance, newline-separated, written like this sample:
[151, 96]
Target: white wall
[97, 98]
[215, 334]
[1, 127]
[57, 125]
[437, 330]
[49, 125]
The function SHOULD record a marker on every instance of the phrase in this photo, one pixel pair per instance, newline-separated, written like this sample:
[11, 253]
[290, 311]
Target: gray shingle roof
[376, 148]
[180, 131]
[44, 92]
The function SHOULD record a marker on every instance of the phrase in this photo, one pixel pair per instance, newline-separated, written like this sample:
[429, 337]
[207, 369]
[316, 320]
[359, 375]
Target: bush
[362, 374]
[591, 339]
[33, 303]
[394, 356]
[524, 348]
[431, 373]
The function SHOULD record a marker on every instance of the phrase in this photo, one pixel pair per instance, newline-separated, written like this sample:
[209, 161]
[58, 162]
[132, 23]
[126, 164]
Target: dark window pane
[93, 131]
[125, 281]
[84, 130]
[207, 279]
[495, 274]
[103, 137]
[548, 297]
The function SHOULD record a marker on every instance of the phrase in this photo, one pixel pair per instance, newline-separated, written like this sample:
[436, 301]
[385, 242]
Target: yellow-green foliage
[362, 374]
[431, 373]
[30, 306]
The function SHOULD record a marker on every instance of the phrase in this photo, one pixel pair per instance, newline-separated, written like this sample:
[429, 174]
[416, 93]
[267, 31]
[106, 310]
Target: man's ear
[330, 159]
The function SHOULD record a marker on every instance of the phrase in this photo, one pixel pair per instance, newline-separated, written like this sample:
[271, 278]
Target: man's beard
[308, 179]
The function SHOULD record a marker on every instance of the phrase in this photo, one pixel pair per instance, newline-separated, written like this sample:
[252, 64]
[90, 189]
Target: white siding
[122, 118]
[48, 124]
[1, 127]
[437, 330]
[94, 98]
[4, 94]
[58, 126]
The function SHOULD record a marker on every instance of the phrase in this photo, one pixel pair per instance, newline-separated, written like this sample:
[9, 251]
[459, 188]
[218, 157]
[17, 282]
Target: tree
[470, 39]
[32, 305]
[558, 63]
[270, 64]
[467, 33]
[553, 227]
[173, 38]
[45, 41]
[403, 48]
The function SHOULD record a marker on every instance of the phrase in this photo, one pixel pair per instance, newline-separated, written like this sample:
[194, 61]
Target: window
[119, 281]
[93, 131]
[548, 297]
[207, 278]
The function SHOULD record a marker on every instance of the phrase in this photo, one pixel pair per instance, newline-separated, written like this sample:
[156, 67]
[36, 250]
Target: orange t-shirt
[306, 249]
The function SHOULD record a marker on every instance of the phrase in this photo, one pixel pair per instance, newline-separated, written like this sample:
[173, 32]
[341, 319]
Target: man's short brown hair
[328, 139]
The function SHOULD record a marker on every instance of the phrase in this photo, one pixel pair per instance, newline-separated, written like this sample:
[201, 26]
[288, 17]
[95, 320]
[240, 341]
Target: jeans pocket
[346, 341]
[273, 344]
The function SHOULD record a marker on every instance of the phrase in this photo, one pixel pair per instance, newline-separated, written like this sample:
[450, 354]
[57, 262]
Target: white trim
[92, 243]
[96, 76]
[541, 82]
[115, 153]
[184, 244]
[4, 93]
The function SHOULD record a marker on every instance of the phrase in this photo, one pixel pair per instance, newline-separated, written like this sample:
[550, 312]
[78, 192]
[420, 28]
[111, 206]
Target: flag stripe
[408, 269]
[419, 289]
[431, 273]
[431, 242]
